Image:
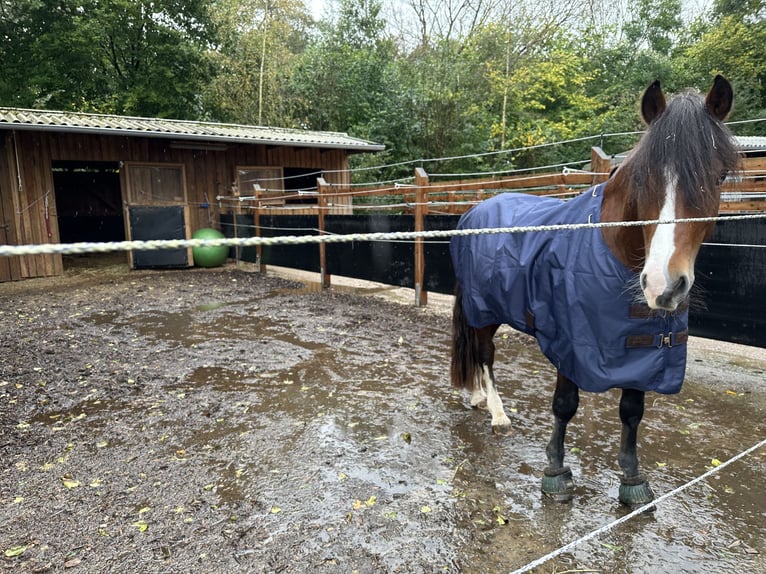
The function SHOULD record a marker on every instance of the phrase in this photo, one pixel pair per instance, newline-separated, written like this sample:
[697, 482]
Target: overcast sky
[691, 7]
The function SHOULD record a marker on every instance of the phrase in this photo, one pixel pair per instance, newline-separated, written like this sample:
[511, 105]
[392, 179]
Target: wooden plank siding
[10, 267]
[25, 218]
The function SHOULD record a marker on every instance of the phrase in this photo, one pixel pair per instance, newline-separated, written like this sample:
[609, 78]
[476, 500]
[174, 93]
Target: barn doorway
[89, 206]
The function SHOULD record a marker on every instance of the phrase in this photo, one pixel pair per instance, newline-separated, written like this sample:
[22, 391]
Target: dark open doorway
[298, 179]
[88, 201]
[89, 208]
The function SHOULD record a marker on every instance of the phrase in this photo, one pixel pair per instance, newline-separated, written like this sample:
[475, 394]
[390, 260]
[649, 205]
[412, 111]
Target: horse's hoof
[558, 484]
[635, 492]
[502, 429]
[482, 404]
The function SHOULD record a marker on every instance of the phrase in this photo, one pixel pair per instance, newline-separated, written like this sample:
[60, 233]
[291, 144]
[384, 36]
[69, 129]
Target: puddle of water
[210, 306]
[316, 287]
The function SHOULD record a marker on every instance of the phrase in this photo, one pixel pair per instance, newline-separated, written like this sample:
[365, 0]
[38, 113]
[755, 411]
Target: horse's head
[674, 173]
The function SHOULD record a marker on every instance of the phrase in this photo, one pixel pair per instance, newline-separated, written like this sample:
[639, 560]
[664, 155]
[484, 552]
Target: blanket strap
[658, 341]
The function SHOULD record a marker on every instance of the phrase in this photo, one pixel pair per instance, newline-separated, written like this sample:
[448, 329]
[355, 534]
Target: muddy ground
[230, 421]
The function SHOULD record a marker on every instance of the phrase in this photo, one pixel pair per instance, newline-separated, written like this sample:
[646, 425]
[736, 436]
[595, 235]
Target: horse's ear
[720, 98]
[652, 102]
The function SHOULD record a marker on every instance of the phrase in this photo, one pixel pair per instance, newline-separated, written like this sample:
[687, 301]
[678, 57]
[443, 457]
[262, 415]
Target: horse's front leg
[501, 424]
[557, 478]
[634, 489]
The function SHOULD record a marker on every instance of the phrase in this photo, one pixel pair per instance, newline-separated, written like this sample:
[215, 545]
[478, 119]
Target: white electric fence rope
[609, 526]
[157, 244]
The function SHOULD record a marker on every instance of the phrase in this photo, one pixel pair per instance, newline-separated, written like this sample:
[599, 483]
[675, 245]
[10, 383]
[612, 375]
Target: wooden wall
[26, 191]
[28, 206]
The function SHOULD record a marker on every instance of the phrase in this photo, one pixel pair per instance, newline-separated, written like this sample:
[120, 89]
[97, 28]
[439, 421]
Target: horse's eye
[722, 177]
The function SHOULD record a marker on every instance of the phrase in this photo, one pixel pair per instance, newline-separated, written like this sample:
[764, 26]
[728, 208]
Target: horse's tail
[465, 366]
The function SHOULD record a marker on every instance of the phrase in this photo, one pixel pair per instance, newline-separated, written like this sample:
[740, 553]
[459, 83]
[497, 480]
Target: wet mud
[230, 421]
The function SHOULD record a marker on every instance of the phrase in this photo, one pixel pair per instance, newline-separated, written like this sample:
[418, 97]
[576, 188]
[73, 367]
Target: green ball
[209, 256]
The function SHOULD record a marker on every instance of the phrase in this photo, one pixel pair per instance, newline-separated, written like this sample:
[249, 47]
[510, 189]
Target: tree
[261, 41]
[122, 56]
[345, 75]
[732, 44]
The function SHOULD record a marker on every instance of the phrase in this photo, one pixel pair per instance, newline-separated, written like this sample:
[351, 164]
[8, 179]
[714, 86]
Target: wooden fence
[744, 191]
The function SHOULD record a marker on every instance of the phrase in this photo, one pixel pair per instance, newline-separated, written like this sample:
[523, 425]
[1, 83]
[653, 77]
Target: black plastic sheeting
[304, 257]
[731, 279]
[390, 262]
[148, 223]
[730, 303]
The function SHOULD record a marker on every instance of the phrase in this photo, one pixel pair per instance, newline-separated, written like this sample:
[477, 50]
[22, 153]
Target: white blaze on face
[656, 267]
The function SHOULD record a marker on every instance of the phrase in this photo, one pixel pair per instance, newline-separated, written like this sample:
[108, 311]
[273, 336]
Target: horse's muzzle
[672, 296]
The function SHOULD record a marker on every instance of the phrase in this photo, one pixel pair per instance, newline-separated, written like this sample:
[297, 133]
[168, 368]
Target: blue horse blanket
[568, 290]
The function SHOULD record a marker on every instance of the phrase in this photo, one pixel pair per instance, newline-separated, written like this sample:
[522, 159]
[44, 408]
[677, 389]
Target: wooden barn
[68, 177]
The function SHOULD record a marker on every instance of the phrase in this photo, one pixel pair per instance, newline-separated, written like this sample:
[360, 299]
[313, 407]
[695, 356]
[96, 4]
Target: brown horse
[608, 306]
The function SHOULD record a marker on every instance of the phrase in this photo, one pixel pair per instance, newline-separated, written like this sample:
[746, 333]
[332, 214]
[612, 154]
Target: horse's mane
[689, 142]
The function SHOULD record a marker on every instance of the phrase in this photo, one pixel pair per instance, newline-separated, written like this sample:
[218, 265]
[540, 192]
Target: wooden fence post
[322, 189]
[421, 208]
[600, 164]
[257, 192]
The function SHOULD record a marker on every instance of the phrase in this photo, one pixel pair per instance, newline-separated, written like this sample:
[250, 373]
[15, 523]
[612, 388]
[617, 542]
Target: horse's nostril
[682, 285]
[643, 280]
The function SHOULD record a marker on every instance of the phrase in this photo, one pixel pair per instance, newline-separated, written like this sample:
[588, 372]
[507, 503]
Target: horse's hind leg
[634, 489]
[557, 478]
[501, 424]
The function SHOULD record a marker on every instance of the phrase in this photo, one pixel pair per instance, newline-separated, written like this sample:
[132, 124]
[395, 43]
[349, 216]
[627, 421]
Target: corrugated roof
[750, 143]
[44, 120]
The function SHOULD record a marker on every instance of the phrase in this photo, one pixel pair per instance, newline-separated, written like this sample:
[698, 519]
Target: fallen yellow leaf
[275, 510]
[70, 482]
[715, 462]
[15, 551]
[141, 525]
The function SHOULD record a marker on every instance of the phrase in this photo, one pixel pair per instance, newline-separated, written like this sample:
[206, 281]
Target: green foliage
[348, 80]
[654, 24]
[261, 42]
[140, 58]
[473, 86]
[733, 46]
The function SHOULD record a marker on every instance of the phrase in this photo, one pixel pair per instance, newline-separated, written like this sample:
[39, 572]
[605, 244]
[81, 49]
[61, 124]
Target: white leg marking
[494, 402]
[478, 396]
[661, 248]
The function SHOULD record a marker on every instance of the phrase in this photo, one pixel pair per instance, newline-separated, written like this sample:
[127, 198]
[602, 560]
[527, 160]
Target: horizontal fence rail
[269, 226]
